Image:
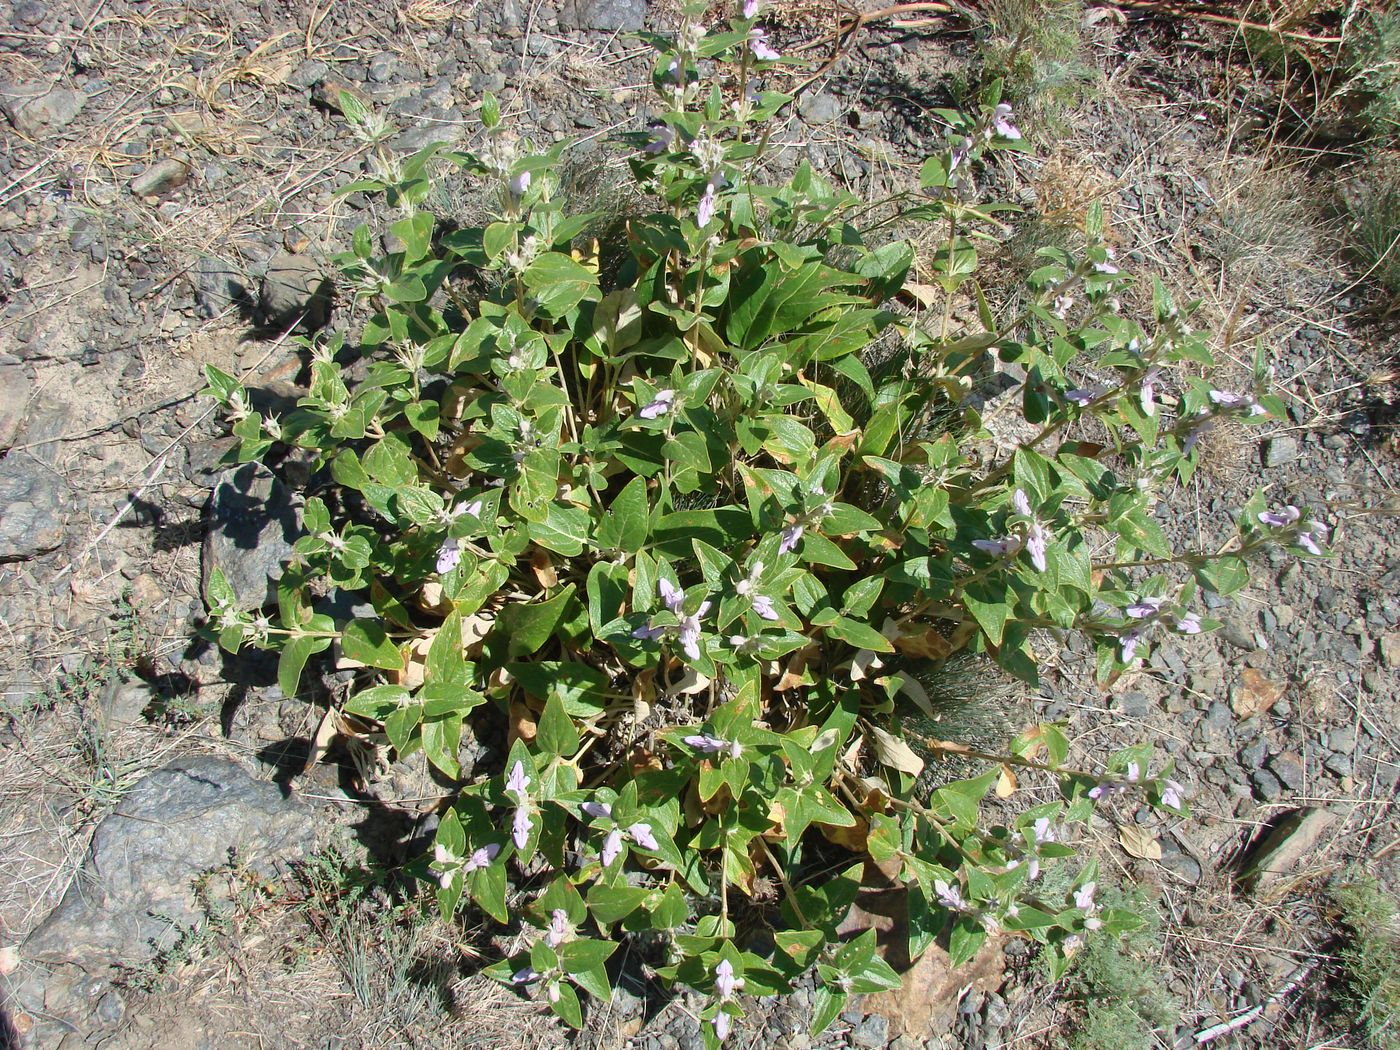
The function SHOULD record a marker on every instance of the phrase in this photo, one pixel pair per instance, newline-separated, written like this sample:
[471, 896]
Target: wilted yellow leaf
[1139, 843]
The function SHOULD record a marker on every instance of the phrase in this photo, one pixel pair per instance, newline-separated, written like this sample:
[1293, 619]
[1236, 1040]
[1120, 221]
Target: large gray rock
[609, 16]
[36, 108]
[218, 285]
[293, 288]
[31, 509]
[136, 884]
[15, 391]
[252, 524]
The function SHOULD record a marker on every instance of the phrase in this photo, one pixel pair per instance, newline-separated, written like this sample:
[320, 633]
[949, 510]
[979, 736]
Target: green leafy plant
[675, 543]
[1036, 48]
[1119, 984]
[1372, 202]
[1370, 956]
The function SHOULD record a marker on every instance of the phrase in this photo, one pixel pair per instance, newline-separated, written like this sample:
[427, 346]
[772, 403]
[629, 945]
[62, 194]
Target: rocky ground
[168, 184]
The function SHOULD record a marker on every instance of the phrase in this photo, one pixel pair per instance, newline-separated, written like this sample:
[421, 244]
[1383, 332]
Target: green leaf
[297, 651]
[624, 526]
[610, 904]
[556, 734]
[989, 608]
[827, 1008]
[530, 625]
[446, 663]
[564, 529]
[585, 953]
[558, 283]
[860, 635]
[366, 642]
[568, 1007]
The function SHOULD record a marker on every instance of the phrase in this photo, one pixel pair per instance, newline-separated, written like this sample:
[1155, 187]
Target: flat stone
[294, 287]
[161, 177]
[1390, 649]
[1287, 844]
[1266, 785]
[1289, 770]
[16, 389]
[1279, 451]
[218, 285]
[253, 523]
[1254, 694]
[35, 109]
[820, 108]
[136, 884]
[31, 509]
[608, 16]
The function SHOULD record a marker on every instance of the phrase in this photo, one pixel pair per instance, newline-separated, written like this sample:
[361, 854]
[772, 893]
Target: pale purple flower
[790, 536]
[764, 607]
[1194, 435]
[1144, 608]
[1147, 395]
[1128, 641]
[1001, 122]
[670, 594]
[1171, 794]
[1021, 502]
[747, 584]
[520, 183]
[721, 1023]
[690, 631]
[1036, 544]
[1189, 623]
[725, 981]
[758, 41]
[950, 896]
[467, 510]
[1000, 548]
[520, 826]
[1043, 830]
[673, 72]
[449, 556]
[525, 976]
[705, 211]
[1228, 399]
[443, 855]
[444, 879]
[1062, 306]
[559, 926]
[648, 634]
[1107, 266]
[597, 810]
[551, 991]
[1084, 896]
[1281, 518]
[518, 782]
[480, 858]
[1033, 869]
[1084, 395]
[662, 135]
[959, 155]
[750, 8]
[641, 834]
[1312, 538]
[612, 846]
[659, 406]
[705, 742]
